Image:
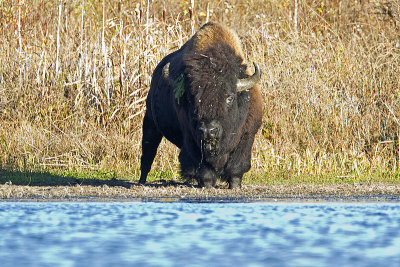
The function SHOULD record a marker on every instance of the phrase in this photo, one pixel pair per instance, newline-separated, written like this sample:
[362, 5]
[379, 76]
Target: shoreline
[185, 193]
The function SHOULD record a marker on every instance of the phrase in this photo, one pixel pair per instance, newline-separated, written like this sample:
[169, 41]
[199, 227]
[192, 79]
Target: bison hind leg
[150, 141]
[189, 175]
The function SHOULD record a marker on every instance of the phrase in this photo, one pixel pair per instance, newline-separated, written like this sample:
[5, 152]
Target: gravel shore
[176, 192]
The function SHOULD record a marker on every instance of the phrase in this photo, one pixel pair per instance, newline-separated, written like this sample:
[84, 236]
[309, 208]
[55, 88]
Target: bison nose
[211, 131]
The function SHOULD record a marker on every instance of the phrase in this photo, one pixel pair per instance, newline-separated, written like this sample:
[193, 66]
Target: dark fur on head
[211, 75]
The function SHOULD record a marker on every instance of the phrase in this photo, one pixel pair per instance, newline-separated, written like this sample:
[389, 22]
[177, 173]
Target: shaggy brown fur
[212, 122]
[215, 51]
[215, 67]
[213, 33]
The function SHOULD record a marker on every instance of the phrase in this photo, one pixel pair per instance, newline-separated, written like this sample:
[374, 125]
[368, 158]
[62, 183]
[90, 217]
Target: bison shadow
[44, 178]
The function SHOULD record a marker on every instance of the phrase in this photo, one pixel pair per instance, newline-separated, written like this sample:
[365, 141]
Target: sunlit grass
[282, 177]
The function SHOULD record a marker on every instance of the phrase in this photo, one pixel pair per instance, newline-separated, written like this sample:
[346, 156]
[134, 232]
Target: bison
[203, 100]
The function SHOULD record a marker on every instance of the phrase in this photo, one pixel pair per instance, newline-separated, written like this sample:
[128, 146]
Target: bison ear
[248, 83]
[167, 78]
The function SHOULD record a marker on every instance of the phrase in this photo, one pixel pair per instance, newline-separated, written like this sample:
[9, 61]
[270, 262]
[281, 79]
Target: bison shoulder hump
[212, 33]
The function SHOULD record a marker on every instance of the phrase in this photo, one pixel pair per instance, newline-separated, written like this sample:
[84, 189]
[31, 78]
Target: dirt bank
[182, 192]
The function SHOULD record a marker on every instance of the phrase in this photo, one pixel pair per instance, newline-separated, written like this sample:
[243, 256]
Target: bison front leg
[239, 162]
[197, 170]
[235, 182]
[206, 177]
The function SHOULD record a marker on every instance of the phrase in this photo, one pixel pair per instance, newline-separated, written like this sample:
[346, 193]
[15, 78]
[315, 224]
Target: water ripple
[195, 234]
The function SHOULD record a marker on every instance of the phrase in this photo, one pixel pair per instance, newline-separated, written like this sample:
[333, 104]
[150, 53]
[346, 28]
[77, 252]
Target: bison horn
[165, 73]
[247, 83]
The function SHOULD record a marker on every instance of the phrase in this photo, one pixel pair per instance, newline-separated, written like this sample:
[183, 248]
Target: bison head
[216, 97]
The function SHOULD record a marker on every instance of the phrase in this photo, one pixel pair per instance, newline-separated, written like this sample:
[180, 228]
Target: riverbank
[177, 192]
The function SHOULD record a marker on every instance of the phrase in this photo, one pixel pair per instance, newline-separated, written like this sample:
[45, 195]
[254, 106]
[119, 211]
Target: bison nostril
[209, 133]
[213, 132]
[203, 132]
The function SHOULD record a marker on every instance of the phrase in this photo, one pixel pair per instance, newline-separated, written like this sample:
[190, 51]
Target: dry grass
[75, 74]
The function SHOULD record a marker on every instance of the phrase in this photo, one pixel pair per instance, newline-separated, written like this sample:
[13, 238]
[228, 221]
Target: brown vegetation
[74, 76]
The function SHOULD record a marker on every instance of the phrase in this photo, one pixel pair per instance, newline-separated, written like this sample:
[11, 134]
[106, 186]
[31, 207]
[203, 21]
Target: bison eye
[229, 100]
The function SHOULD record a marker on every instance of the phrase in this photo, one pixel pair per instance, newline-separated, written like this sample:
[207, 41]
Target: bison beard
[202, 100]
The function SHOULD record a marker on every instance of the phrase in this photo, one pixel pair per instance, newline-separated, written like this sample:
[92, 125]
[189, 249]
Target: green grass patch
[111, 178]
[282, 177]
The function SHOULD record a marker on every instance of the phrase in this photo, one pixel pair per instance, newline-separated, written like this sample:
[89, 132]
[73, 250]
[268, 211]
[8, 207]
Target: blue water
[195, 234]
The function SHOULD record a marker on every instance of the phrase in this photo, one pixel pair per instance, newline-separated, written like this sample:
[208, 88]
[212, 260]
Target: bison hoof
[207, 183]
